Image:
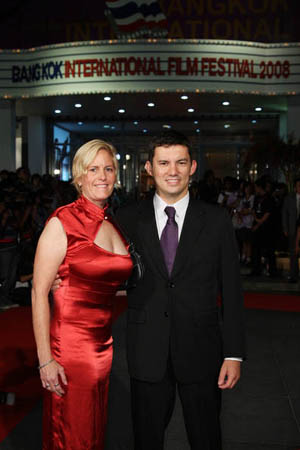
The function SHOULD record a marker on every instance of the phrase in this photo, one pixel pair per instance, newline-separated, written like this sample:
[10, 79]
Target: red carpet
[18, 360]
[275, 302]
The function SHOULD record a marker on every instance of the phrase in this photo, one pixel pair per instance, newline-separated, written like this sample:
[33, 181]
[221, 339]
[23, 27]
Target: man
[263, 229]
[173, 334]
[290, 214]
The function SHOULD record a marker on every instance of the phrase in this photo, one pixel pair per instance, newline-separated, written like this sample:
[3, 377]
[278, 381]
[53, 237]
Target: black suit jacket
[177, 315]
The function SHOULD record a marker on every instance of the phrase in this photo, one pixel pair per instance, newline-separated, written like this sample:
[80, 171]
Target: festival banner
[151, 65]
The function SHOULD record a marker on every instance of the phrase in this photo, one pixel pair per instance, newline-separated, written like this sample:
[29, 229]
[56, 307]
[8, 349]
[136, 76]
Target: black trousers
[263, 243]
[153, 405]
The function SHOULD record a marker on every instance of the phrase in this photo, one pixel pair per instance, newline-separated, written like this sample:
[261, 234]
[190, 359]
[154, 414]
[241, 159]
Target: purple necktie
[169, 238]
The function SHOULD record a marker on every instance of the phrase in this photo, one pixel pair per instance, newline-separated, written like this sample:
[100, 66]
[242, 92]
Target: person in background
[243, 217]
[298, 238]
[207, 189]
[228, 195]
[73, 335]
[290, 216]
[262, 230]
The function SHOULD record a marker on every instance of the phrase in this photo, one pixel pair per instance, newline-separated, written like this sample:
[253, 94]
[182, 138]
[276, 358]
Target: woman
[74, 340]
[244, 220]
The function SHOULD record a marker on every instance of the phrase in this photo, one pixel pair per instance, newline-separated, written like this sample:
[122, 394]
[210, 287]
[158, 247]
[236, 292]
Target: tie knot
[170, 211]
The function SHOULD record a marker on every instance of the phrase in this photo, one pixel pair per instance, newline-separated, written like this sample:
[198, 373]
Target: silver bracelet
[46, 364]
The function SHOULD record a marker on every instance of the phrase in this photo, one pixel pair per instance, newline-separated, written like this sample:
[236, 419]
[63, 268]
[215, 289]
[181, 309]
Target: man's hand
[55, 284]
[229, 374]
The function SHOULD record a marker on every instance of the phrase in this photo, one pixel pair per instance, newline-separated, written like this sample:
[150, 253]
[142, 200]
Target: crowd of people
[265, 218]
[263, 214]
[26, 201]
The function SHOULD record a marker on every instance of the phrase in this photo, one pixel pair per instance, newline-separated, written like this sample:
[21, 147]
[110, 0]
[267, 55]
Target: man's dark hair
[166, 139]
[261, 182]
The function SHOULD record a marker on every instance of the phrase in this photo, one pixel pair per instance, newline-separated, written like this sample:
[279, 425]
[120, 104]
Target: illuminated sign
[135, 66]
[232, 67]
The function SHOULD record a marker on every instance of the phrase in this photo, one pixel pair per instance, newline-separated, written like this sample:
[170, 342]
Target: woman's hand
[53, 377]
[56, 284]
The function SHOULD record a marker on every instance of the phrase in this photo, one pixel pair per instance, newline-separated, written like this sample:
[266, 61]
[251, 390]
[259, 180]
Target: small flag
[137, 18]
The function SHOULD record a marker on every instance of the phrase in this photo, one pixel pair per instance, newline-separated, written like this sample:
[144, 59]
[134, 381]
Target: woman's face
[98, 183]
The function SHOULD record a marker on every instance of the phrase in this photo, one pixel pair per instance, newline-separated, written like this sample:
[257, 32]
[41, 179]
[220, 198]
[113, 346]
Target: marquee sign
[151, 65]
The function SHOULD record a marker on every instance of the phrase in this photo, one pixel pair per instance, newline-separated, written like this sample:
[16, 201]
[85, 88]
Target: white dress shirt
[161, 220]
[161, 217]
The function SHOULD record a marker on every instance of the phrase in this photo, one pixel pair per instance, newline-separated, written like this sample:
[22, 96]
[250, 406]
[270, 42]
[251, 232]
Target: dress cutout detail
[80, 331]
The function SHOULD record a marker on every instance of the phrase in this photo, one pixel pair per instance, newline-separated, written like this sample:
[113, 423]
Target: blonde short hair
[86, 154]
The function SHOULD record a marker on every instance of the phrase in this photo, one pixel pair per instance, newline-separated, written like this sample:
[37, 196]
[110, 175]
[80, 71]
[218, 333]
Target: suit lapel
[147, 232]
[194, 222]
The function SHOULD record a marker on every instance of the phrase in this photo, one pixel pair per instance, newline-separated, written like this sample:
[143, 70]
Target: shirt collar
[180, 206]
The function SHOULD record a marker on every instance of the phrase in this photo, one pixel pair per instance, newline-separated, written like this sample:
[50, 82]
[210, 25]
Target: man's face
[171, 169]
[258, 190]
[297, 187]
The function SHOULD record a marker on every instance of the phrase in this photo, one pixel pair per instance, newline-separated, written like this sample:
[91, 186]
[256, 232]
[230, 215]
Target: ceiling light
[127, 157]
[56, 171]
[78, 105]
[151, 104]
[191, 110]
[106, 126]
[135, 122]
[113, 127]
[124, 166]
[107, 98]
[225, 103]
[118, 156]
[121, 110]
[167, 126]
[79, 123]
[196, 122]
[253, 121]
[144, 130]
[184, 97]
[198, 130]
[226, 125]
[57, 111]
[258, 108]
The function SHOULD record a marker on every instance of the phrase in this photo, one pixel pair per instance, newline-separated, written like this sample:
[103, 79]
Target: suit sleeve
[232, 296]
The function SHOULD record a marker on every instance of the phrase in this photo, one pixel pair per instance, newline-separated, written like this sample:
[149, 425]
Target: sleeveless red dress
[80, 331]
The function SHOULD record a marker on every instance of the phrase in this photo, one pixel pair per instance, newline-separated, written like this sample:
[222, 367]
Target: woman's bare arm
[51, 251]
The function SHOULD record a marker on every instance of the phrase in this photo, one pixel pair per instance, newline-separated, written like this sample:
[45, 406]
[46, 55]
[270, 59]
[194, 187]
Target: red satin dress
[80, 331]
